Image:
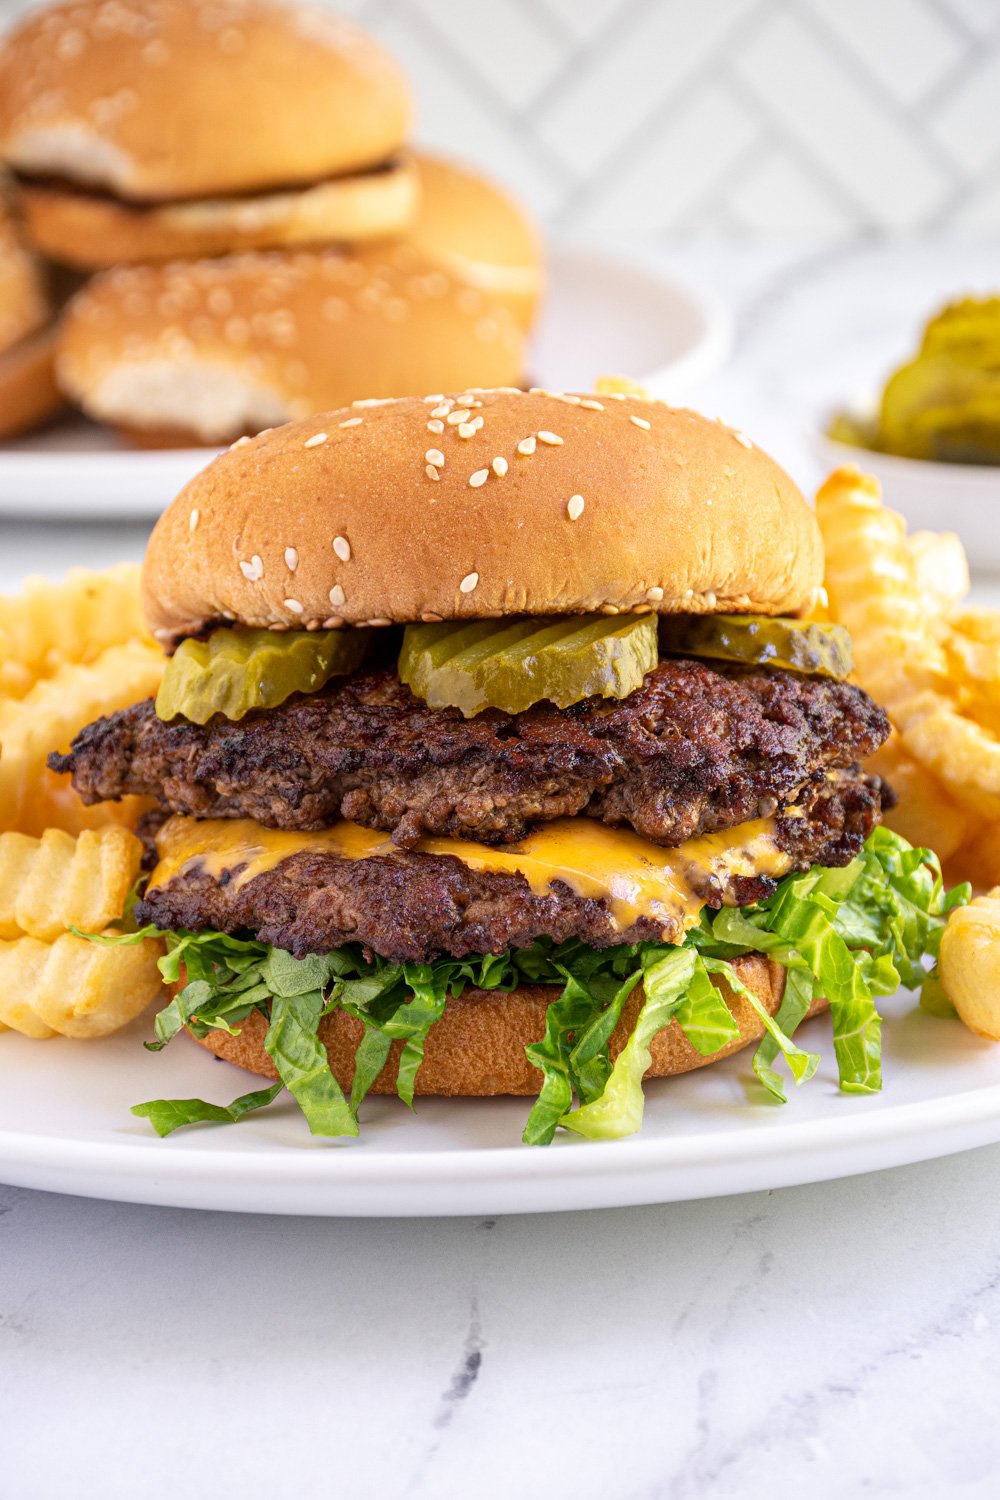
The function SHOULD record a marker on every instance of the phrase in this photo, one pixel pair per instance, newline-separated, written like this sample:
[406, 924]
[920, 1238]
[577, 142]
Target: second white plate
[604, 313]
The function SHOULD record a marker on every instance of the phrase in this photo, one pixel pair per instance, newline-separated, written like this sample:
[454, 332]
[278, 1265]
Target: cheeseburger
[498, 752]
[185, 128]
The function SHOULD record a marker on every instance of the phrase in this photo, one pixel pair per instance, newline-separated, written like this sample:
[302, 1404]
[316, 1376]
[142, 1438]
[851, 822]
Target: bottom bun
[28, 391]
[477, 1048]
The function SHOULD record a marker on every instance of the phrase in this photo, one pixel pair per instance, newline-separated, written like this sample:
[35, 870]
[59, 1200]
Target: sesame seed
[574, 507]
[440, 411]
[592, 405]
[656, 594]
[315, 440]
[710, 600]
[240, 442]
[455, 417]
[291, 559]
[430, 400]
[342, 547]
[337, 596]
[435, 456]
[430, 618]
[333, 623]
[469, 582]
[351, 422]
[293, 605]
[254, 569]
[435, 426]
[742, 438]
[552, 438]
[467, 429]
[478, 478]
[639, 422]
[526, 446]
[193, 518]
[431, 472]
[500, 466]
[610, 609]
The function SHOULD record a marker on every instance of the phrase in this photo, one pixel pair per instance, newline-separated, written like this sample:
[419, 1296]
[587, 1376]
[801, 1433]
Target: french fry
[940, 567]
[872, 586]
[47, 624]
[52, 711]
[51, 884]
[900, 641]
[970, 963]
[925, 814]
[75, 987]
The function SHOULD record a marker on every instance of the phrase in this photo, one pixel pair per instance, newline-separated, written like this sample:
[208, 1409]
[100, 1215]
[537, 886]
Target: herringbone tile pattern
[649, 116]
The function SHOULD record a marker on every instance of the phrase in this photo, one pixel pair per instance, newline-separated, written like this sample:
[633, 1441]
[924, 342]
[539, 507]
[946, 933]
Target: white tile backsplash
[650, 117]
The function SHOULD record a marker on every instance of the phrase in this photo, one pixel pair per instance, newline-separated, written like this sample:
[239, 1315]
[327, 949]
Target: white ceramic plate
[604, 313]
[65, 1126]
[935, 497]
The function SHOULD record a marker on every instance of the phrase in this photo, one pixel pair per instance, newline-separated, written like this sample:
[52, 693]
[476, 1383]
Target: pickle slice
[234, 671]
[488, 664]
[761, 641]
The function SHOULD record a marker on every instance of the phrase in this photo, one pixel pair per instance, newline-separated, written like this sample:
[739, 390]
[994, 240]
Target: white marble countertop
[829, 1341]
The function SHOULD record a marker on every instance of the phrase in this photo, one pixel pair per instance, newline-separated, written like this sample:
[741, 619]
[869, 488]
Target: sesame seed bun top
[180, 98]
[221, 347]
[480, 505]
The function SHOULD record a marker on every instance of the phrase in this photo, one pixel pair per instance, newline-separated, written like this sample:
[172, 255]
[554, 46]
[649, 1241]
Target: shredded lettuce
[847, 935]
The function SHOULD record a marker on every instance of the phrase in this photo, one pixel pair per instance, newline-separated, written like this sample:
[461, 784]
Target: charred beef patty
[693, 750]
[414, 907]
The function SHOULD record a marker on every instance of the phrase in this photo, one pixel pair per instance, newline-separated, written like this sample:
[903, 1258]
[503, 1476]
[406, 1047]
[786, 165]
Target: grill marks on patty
[415, 907]
[695, 749]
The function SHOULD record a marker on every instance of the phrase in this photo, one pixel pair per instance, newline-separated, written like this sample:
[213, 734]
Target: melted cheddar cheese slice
[635, 877]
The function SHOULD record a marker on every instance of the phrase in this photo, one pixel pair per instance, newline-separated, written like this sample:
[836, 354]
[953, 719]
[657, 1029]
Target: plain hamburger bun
[28, 391]
[462, 508]
[23, 303]
[222, 347]
[477, 1048]
[473, 229]
[181, 99]
[92, 230]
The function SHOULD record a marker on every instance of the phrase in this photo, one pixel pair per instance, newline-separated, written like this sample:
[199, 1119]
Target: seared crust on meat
[693, 750]
[415, 907]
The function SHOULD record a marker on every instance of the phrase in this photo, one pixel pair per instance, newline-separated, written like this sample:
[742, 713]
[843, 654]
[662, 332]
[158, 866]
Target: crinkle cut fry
[53, 883]
[75, 987]
[46, 624]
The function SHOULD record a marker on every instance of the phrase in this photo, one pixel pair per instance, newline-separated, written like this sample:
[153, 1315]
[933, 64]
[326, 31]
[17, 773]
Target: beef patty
[415, 907]
[695, 748]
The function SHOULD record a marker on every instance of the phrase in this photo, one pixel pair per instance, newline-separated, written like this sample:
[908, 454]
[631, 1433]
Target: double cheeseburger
[142, 133]
[495, 755]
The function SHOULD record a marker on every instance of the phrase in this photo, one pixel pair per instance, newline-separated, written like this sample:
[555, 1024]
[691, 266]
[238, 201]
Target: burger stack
[231, 178]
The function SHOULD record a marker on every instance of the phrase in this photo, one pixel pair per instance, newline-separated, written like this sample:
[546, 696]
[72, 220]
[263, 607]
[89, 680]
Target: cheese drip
[635, 877]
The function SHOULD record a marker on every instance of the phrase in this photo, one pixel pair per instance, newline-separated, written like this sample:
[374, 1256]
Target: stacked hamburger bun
[28, 391]
[191, 129]
[234, 177]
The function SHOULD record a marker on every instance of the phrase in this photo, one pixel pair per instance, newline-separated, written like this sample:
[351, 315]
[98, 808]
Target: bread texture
[28, 391]
[477, 1048]
[489, 503]
[217, 348]
[184, 99]
[23, 302]
[478, 233]
[93, 230]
